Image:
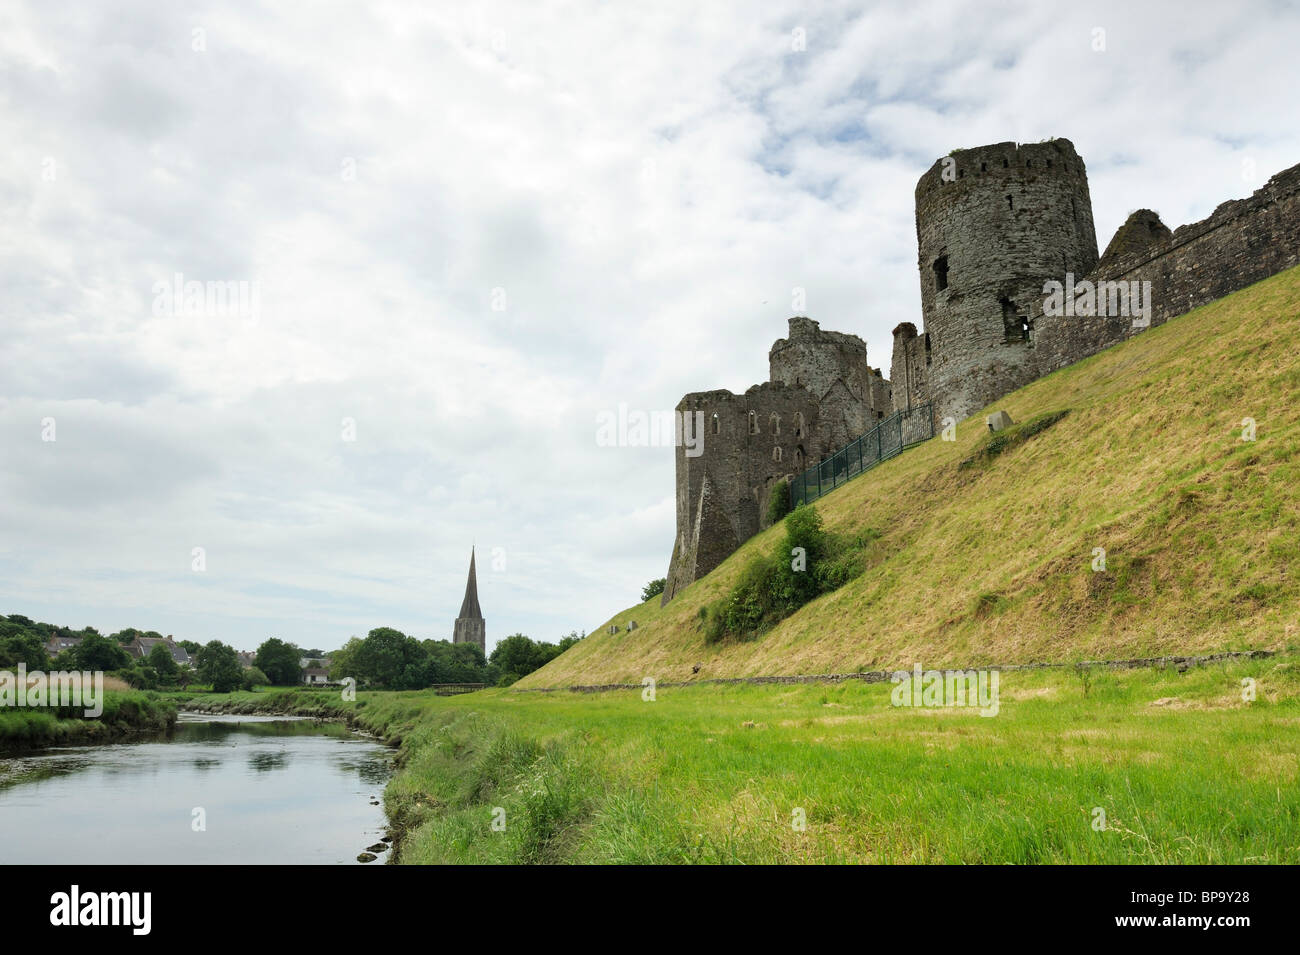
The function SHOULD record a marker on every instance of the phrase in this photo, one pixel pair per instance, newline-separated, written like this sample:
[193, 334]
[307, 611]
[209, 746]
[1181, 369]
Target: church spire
[469, 608]
[470, 625]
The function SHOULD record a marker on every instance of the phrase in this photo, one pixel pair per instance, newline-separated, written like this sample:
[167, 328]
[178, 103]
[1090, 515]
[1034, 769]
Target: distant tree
[279, 661]
[342, 662]
[570, 640]
[385, 657]
[219, 665]
[140, 676]
[518, 655]
[514, 655]
[191, 647]
[23, 646]
[653, 589]
[161, 660]
[99, 653]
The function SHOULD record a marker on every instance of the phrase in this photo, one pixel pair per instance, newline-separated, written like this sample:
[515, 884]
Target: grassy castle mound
[982, 550]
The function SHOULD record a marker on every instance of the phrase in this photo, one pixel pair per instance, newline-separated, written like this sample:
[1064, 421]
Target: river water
[267, 790]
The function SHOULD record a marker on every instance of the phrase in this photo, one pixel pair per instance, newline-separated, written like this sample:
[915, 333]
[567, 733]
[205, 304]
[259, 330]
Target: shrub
[778, 503]
[253, 677]
[141, 676]
[806, 564]
[653, 589]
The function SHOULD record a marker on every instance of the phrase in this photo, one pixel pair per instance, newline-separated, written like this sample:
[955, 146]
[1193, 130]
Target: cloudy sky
[468, 231]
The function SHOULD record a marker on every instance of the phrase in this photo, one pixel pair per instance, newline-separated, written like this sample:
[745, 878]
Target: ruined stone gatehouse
[821, 395]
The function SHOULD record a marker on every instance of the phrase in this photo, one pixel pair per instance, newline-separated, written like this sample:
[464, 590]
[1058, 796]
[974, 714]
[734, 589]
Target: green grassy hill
[991, 562]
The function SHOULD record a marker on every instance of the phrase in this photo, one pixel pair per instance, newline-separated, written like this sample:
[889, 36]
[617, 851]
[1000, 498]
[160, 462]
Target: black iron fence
[889, 437]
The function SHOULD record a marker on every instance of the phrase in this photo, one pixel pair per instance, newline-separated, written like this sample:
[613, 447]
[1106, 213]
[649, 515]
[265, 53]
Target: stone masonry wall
[750, 442]
[822, 394]
[910, 368]
[833, 366]
[1241, 242]
[992, 224]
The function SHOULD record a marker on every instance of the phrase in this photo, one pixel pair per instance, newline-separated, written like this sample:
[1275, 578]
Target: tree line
[385, 658]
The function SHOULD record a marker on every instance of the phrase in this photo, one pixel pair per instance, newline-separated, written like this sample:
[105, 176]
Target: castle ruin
[995, 225]
[820, 395]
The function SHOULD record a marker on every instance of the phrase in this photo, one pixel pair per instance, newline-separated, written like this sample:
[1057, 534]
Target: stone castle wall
[821, 395]
[994, 224]
[1241, 242]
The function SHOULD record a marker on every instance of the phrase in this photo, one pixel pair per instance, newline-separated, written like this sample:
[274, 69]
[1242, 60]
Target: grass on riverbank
[1184, 770]
[126, 713]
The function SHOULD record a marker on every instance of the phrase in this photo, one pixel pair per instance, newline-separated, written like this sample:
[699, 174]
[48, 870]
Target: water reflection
[270, 791]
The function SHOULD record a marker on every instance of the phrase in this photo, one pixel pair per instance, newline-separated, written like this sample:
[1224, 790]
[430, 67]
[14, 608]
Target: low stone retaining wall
[883, 676]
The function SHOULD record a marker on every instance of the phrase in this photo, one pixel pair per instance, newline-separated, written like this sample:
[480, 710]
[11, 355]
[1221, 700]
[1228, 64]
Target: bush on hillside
[778, 503]
[807, 563]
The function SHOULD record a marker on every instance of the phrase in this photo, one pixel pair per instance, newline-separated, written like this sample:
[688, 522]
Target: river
[220, 790]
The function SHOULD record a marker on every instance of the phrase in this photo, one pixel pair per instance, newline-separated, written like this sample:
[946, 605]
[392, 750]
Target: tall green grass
[124, 713]
[1184, 769]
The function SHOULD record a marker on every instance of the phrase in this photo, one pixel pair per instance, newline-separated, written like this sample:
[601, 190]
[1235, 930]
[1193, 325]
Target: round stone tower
[993, 224]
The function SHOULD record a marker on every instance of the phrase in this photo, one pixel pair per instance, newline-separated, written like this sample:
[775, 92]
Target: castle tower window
[984, 167]
[1015, 326]
[776, 454]
[1004, 164]
[717, 424]
[774, 423]
[1028, 163]
[927, 348]
[1010, 205]
[1049, 164]
[941, 273]
[799, 457]
[798, 424]
[753, 422]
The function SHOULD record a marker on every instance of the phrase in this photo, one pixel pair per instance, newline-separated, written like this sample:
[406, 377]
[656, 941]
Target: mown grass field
[992, 563]
[1184, 769]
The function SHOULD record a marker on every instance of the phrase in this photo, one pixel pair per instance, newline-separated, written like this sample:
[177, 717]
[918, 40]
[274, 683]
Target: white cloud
[646, 185]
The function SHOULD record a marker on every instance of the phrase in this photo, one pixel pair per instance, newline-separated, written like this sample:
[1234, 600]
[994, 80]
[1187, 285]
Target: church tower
[470, 625]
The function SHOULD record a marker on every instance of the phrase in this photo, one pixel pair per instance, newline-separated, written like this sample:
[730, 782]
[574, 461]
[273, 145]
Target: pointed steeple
[469, 608]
